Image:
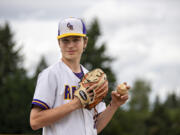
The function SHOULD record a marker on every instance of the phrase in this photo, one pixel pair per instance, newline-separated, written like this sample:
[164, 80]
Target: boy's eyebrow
[63, 39]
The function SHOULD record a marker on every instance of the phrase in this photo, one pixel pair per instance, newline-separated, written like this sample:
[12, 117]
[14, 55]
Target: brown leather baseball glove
[95, 77]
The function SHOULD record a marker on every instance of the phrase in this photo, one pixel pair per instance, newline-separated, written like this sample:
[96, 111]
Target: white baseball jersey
[55, 87]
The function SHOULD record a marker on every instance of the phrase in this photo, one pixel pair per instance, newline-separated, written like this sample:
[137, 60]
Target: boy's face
[72, 47]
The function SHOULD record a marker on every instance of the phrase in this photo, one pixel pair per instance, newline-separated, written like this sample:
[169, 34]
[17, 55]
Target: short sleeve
[45, 91]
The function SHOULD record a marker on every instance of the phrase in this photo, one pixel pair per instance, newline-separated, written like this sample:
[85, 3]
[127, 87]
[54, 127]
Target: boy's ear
[85, 41]
[59, 42]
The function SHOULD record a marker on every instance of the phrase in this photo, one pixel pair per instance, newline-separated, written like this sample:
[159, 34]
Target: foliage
[9, 57]
[16, 88]
[139, 96]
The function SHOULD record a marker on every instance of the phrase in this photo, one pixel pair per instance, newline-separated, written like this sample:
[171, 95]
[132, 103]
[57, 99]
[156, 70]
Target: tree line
[139, 118]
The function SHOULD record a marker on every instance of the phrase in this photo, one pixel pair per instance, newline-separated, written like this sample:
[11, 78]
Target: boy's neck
[73, 65]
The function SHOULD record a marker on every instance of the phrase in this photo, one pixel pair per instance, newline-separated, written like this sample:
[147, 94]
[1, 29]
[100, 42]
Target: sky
[142, 35]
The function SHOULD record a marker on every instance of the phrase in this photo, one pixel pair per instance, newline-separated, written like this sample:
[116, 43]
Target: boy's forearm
[105, 117]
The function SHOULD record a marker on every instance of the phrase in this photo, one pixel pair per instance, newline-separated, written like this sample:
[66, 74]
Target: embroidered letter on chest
[69, 92]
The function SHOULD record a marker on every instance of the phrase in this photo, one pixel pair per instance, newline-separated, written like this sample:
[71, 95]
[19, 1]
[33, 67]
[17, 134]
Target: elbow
[34, 125]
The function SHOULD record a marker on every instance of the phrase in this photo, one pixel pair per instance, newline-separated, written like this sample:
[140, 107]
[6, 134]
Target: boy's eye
[65, 40]
[76, 39]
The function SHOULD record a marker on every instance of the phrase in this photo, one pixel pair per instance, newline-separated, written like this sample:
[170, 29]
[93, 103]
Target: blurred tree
[157, 123]
[172, 101]
[157, 102]
[172, 106]
[95, 56]
[16, 88]
[165, 118]
[139, 96]
[10, 60]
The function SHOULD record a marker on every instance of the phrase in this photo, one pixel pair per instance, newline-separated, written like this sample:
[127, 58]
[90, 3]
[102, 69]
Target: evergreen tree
[95, 56]
[9, 57]
[172, 101]
[139, 96]
[15, 86]
[165, 118]
[158, 121]
[157, 102]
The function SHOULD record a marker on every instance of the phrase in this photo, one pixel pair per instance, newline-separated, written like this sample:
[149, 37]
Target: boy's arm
[104, 118]
[40, 118]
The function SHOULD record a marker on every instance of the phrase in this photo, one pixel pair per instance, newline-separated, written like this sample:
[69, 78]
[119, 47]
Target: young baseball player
[54, 106]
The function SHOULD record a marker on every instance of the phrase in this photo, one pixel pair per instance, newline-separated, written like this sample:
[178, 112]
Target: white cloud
[37, 38]
[42, 9]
